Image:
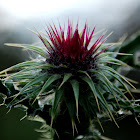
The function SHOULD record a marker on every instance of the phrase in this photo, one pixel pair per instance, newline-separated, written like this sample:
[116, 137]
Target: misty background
[16, 17]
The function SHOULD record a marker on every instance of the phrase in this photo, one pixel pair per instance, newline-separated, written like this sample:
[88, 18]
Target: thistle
[71, 84]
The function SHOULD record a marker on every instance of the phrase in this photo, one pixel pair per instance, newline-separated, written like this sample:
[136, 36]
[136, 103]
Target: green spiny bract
[71, 85]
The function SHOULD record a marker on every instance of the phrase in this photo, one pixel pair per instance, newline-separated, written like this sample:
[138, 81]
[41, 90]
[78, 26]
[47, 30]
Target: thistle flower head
[72, 50]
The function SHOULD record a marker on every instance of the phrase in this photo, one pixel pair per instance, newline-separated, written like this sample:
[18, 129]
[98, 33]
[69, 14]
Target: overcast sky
[103, 13]
[32, 8]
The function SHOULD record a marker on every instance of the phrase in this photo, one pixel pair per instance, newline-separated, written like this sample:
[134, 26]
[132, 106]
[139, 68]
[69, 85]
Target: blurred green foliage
[132, 46]
[11, 128]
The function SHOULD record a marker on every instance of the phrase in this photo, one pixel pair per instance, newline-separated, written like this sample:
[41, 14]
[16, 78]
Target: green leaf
[119, 79]
[57, 99]
[70, 103]
[119, 92]
[92, 87]
[85, 72]
[99, 95]
[33, 82]
[58, 95]
[21, 65]
[8, 88]
[41, 66]
[111, 59]
[50, 80]
[32, 70]
[113, 53]
[111, 87]
[38, 50]
[75, 86]
[30, 91]
[136, 108]
[65, 79]
[23, 75]
[106, 106]
[113, 71]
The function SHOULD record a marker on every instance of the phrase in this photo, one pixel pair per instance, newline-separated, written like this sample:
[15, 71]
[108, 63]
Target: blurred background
[16, 17]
